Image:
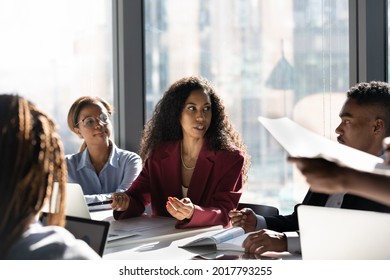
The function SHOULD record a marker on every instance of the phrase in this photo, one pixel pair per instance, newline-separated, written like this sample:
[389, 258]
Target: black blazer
[282, 223]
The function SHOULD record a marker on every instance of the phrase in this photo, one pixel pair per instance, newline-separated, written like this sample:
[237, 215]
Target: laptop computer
[77, 207]
[343, 234]
[75, 204]
[94, 233]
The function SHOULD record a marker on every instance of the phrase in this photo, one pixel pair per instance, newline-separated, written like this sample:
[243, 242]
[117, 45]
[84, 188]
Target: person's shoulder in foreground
[33, 150]
[50, 243]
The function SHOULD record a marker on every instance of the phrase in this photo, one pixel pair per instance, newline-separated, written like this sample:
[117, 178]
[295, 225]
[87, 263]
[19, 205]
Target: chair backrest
[263, 210]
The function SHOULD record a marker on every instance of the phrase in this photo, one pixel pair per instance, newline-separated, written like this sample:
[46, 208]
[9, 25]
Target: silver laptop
[75, 205]
[343, 234]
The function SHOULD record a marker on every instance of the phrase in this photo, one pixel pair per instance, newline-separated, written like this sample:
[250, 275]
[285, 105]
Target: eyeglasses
[92, 122]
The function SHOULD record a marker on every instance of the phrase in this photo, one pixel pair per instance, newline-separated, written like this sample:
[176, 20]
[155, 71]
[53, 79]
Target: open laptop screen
[93, 232]
[75, 204]
[334, 233]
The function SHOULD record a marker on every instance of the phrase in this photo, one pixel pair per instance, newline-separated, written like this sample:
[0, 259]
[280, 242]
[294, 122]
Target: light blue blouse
[117, 175]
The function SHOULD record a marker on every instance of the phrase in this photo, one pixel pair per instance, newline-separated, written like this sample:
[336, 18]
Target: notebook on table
[343, 234]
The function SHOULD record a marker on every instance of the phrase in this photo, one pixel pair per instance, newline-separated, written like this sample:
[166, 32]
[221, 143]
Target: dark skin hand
[120, 201]
[265, 240]
[244, 218]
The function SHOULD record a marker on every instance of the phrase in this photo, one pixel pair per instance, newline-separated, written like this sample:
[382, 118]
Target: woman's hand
[180, 209]
[120, 201]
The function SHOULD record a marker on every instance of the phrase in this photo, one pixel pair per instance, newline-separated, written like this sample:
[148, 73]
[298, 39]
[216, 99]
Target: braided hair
[33, 159]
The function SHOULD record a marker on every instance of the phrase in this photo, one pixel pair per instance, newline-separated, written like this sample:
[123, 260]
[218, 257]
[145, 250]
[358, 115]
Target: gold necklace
[181, 157]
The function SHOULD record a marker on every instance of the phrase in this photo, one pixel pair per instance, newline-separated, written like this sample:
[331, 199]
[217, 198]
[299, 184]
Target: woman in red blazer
[195, 164]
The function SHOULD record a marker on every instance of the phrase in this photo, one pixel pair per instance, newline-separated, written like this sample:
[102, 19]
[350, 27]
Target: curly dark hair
[164, 124]
[374, 93]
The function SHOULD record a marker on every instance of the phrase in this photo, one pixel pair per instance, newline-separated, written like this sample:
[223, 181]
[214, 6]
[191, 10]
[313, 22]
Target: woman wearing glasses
[100, 167]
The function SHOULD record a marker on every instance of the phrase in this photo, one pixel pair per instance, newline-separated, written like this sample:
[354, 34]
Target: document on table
[123, 229]
[228, 239]
[301, 142]
[120, 234]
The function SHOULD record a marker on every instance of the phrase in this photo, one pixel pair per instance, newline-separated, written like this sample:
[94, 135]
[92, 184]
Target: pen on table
[100, 203]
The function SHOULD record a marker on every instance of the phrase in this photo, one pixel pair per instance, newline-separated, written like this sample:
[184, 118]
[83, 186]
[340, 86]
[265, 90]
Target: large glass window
[52, 52]
[271, 58]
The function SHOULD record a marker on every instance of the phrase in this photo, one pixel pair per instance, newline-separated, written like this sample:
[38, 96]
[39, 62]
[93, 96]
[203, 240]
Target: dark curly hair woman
[195, 163]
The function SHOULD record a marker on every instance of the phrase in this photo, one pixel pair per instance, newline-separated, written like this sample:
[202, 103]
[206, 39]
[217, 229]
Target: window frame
[367, 46]
[129, 91]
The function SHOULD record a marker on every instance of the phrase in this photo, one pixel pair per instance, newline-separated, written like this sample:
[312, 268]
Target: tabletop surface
[157, 238]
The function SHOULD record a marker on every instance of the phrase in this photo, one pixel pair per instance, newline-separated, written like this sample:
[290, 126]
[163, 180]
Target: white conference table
[157, 238]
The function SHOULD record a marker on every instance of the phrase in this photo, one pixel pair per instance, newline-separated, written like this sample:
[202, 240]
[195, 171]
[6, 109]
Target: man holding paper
[365, 122]
[328, 177]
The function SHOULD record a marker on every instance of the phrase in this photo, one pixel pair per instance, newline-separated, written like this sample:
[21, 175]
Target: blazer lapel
[170, 171]
[203, 169]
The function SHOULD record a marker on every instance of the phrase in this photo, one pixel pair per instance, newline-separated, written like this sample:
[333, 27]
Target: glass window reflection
[53, 52]
[266, 58]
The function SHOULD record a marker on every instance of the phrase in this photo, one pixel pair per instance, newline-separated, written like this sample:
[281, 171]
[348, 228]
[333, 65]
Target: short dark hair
[374, 93]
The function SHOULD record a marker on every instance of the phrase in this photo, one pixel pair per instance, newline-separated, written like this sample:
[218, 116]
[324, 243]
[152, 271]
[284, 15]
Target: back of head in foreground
[33, 159]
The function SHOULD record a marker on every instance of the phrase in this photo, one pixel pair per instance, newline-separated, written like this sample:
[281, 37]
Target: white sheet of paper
[301, 142]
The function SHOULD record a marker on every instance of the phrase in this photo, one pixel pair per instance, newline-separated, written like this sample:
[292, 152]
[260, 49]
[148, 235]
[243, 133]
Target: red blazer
[215, 187]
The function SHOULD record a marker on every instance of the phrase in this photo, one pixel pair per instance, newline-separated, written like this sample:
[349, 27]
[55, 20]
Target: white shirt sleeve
[260, 223]
[293, 242]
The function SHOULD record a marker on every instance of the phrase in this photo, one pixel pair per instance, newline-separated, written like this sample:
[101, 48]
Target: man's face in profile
[357, 127]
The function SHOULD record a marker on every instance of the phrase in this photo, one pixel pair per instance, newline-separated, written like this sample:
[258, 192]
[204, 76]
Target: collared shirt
[117, 175]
